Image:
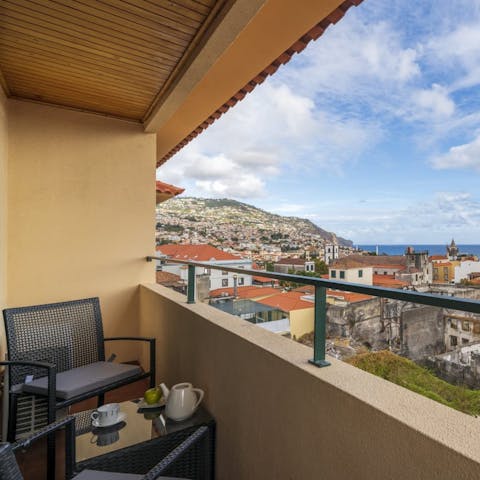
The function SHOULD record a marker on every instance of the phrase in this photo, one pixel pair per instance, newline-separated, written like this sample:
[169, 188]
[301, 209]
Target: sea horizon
[433, 249]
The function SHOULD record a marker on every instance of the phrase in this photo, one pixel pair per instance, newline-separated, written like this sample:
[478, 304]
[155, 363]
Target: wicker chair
[9, 468]
[57, 358]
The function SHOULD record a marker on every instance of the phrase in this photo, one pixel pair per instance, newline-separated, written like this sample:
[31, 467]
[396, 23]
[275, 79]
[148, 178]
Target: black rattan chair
[57, 355]
[170, 463]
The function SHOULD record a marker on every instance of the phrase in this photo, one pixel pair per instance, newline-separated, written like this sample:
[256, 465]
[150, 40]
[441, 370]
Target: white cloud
[432, 221]
[435, 101]
[461, 156]
[271, 132]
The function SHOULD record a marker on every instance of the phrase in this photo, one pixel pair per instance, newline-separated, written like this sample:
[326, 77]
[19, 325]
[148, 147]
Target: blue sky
[372, 132]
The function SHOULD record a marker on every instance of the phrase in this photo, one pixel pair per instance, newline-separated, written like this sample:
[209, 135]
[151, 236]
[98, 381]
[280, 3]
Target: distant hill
[229, 219]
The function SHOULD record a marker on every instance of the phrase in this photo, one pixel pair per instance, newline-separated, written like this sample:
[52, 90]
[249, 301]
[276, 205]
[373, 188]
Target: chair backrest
[68, 334]
[8, 464]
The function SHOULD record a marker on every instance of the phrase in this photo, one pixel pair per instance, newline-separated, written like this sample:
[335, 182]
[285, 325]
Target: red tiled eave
[313, 34]
[163, 187]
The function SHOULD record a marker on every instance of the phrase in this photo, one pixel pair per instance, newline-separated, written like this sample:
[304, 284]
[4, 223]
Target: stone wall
[422, 332]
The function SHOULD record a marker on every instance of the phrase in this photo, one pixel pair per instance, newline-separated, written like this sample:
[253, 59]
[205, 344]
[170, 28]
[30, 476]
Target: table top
[136, 428]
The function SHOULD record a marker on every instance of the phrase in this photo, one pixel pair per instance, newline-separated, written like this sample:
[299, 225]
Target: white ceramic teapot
[182, 400]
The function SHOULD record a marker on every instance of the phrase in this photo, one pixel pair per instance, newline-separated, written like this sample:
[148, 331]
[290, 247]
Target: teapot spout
[165, 390]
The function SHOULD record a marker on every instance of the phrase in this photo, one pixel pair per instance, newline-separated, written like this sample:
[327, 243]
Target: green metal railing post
[191, 284]
[319, 332]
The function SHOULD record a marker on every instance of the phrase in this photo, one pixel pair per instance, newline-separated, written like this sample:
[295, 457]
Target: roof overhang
[176, 66]
[254, 38]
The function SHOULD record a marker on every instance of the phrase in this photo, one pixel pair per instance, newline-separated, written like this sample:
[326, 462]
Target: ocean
[432, 249]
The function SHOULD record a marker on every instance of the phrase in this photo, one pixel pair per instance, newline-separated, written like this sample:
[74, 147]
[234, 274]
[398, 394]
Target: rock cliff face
[230, 219]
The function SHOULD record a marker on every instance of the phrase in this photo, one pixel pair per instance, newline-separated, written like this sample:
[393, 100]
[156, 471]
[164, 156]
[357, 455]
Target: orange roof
[245, 292]
[166, 191]
[438, 257]
[264, 279]
[443, 264]
[163, 187]
[287, 301]
[310, 289]
[391, 266]
[198, 253]
[388, 281]
[349, 297]
[167, 277]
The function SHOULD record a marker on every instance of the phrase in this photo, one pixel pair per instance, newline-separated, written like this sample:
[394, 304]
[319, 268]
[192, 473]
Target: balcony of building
[80, 140]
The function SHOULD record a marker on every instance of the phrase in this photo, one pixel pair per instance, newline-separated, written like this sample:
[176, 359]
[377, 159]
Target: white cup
[106, 414]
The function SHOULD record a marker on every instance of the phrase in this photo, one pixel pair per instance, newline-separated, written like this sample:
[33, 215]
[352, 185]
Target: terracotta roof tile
[245, 292]
[195, 253]
[388, 281]
[287, 301]
[168, 277]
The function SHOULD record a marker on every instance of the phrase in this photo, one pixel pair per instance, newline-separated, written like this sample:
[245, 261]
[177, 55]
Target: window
[466, 326]
[360, 273]
[453, 341]
[453, 323]
[385, 273]
[241, 280]
[225, 282]
[342, 274]
[333, 273]
[207, 271]
[476, 328]
[464, 341]
[224, 272]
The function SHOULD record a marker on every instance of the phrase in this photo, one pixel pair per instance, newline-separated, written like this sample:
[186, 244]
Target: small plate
[143, 405]
[121, 417]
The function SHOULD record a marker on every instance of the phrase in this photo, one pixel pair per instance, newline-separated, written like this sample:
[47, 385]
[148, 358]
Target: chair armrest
[69, 424]
[153, 355]
[162, 466]
[140, 339]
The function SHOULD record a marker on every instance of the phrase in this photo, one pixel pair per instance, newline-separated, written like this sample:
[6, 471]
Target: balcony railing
[320, 303]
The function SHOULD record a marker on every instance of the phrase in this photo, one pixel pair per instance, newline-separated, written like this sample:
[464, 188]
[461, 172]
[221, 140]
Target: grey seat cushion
[77, 381]
[97, 475]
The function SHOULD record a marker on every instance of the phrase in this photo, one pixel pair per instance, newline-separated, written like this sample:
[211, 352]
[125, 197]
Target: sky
[372, 132]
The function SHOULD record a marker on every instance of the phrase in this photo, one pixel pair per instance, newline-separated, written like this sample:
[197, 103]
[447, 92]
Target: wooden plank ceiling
[114, 57]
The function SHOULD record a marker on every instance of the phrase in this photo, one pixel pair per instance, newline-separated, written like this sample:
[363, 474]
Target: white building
[351, 272]
[465, 268]
[330, 252]
[205, 254]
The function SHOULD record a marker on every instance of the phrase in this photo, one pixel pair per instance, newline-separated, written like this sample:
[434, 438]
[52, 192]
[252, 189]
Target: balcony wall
[280, 417]
[81, 204]
[3, 198]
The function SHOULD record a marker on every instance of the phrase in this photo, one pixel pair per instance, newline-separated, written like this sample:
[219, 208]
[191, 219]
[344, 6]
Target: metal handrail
[321, 285]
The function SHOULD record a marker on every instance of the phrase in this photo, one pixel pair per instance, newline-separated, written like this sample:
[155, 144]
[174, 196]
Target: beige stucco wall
[278, 417]
[81, 205]
[301, 321]
[3, 208]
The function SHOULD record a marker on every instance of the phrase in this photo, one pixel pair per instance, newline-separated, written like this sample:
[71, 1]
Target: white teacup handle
[201, 393]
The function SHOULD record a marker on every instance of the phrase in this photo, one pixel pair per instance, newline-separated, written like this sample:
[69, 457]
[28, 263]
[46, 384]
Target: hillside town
[446, 341]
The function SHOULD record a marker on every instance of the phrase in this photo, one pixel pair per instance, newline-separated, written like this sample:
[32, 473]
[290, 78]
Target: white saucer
[143, 404]
[121, 417]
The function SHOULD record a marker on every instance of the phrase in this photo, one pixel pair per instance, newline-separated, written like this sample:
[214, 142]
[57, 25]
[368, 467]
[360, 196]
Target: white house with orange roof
[218, 278]
[349, 270]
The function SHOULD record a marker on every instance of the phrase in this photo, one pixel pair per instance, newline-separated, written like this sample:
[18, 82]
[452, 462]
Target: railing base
[320, 363]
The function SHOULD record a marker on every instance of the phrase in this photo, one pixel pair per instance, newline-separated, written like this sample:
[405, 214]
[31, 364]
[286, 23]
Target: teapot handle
[201, 393]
